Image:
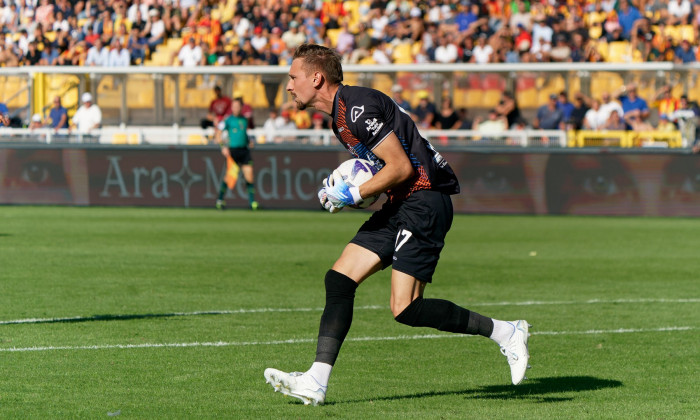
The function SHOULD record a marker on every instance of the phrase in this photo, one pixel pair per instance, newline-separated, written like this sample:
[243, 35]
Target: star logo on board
[186, 178]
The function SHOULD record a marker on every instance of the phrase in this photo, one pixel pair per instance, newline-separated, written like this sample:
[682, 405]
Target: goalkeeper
[236, 125]
[407, 233]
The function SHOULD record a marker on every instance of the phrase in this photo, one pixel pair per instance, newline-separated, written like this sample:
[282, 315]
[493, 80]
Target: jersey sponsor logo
[356, 111]
[373, 126]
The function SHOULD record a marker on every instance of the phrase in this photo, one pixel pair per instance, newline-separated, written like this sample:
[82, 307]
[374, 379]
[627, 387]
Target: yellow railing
[624, 138]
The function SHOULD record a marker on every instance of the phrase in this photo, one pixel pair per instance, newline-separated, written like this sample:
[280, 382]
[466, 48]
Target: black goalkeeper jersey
[364, 117]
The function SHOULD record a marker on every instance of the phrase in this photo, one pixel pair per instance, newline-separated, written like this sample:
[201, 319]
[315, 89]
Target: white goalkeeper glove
[339, 193]
[323, 198]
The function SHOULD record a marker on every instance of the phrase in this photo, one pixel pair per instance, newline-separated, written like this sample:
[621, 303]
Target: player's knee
[404, 309]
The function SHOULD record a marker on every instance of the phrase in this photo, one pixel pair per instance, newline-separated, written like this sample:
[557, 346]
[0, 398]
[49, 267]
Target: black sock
[337, 316]
[222, 190]
[445, 316]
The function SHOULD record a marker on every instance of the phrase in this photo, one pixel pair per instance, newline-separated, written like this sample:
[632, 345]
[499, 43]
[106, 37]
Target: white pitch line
[367, 307]
[313, 340]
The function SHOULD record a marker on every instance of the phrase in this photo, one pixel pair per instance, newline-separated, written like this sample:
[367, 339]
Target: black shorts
[409, 234]
[241, 155]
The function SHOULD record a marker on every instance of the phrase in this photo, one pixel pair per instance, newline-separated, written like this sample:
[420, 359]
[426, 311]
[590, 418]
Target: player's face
[300, 85]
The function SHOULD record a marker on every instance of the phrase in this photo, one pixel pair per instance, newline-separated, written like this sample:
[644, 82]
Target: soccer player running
[236, 125]
[407, 232]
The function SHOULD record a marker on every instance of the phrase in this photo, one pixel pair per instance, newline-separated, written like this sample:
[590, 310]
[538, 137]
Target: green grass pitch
[175, 313]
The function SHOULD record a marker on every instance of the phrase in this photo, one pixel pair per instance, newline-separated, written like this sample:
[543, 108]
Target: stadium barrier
[627, 139]
[195, 136]
[161, 96]
[661, 182]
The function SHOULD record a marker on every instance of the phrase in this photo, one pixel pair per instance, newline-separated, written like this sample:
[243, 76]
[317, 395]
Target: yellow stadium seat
[134, 138]
[687, 33]
[367, 60]
[605, 82]
[119, 138]
[474, 98]
[353, 9]
[403, 53]
[491, 98]
[674, 32]
[527, 98]
[619, 52]
[602, 48]
[196, 139]
[332, 35]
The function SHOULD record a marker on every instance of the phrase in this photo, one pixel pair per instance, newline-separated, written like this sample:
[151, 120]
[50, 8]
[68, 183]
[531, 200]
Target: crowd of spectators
[239, 32]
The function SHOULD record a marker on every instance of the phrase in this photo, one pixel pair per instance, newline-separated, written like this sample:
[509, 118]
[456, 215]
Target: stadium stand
[241, 32]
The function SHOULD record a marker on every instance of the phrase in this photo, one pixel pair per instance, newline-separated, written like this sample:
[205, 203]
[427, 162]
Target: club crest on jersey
[373, 126]
[356, 111]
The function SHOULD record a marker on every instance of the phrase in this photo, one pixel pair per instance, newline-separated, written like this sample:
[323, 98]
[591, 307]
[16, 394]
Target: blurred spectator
[632, 104]
[523, 38]
[482, 52]
[97, 55]
[541, 35]
[7, 57]
[33, 56]
[246, 109]
[578, 113]
[277, 45]
[637, 123]
[447, 51]
[382, 53]
[447, 118]
[154, 31]
[425, 111]
[190, 54]
[615, 122]
[561, 51]
[49, 55]
[293, 37]
[35, 122]
[317, 124]
[273, 123]
[549, 116]
[136, 46]
[4, 115]
[397, 91]
[346, 42]
[259, 38]
[684, 53]
[665, 125]
[508, 107]
[686, 117]
[494, 124]
[608, 105]
[118, 55]
[88, 117]
[219, 108]
[564, 105]
[628, 15]
[594, 119]
[665, 102]
[465, 122]
[58, 116]
[679, 12]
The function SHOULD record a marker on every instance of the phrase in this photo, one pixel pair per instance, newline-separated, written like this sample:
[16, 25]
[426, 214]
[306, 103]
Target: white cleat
[296, 384]
[516, 351]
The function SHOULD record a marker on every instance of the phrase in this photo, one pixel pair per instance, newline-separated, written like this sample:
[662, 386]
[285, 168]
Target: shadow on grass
[540, 390]
[2, 235]
[109, 317]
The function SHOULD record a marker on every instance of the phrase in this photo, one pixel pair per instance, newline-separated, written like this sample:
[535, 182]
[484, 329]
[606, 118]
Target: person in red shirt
[219, 108]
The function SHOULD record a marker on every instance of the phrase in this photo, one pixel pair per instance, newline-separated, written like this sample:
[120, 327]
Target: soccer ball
[356, 172]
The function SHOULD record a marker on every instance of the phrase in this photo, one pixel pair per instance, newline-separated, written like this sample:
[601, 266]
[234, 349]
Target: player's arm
[397, 167]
